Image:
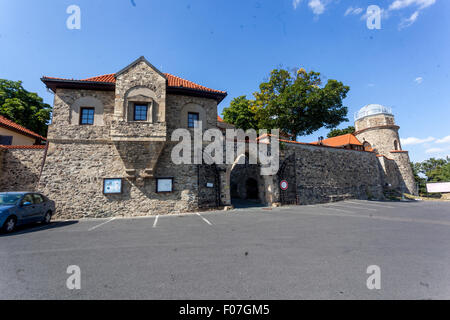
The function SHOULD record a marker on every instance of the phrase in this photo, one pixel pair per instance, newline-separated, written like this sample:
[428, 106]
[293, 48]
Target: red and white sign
[284, 185]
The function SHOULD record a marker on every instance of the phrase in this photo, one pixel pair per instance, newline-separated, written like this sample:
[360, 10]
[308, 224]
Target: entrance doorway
[252, 189]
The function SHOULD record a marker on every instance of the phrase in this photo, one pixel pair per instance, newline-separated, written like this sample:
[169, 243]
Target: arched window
[395, 145]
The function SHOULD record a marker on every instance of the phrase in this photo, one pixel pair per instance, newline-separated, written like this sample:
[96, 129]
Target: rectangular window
[193, 119]
[87, 116]
[140, 112]
[164, 185]
[6, 140]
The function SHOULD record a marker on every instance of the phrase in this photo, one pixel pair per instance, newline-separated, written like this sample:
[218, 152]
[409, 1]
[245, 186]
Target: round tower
[375, 127]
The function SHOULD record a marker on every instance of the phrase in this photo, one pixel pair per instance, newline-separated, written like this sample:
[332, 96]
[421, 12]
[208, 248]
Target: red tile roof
[8, 124]
[340, 141]
[103, 78]
[172, 81]
[219, 119]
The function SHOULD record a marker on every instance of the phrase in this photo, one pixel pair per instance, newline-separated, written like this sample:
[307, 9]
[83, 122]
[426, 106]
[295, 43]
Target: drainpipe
[42, 165]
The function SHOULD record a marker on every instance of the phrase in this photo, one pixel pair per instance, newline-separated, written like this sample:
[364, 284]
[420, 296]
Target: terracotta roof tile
[4, 122]
[340, 141]
[173, 81]
[103, 78]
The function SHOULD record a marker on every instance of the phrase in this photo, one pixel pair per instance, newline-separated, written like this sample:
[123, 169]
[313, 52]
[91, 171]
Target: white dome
[372, 109]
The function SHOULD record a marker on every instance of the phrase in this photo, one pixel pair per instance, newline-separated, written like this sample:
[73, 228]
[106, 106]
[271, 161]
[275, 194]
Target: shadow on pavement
[38, 227]
[246, 203]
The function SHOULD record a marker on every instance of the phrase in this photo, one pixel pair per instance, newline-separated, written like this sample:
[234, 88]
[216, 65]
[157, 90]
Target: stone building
[376, 129]
[109, 153]
[13, 134]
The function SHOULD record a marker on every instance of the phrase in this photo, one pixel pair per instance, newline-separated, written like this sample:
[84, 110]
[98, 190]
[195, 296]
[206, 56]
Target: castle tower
[375, 127]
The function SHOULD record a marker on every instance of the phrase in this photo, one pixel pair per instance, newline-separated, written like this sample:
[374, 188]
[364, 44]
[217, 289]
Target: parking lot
[294, 252]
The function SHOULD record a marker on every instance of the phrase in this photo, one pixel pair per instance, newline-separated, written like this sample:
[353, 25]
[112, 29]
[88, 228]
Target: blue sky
[233, 45]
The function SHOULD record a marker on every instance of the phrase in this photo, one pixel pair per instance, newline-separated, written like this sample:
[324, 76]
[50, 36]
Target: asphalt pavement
[295, 252]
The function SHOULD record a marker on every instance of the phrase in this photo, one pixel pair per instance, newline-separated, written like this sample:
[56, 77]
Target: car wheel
[47, 217]
[9, 225]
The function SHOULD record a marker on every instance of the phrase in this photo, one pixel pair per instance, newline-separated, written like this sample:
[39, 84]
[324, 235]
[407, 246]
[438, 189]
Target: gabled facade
[118, 126]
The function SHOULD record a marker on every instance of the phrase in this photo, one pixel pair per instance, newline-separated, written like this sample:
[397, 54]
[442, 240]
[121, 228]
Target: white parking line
[156, 221]
[99, 225]
[370, 204]
[352, 207]
[335, 209]
[204, 219]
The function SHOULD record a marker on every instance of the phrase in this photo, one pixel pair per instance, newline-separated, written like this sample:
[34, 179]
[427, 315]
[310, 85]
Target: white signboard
[438, 187]
[111, 186]
[164, 185]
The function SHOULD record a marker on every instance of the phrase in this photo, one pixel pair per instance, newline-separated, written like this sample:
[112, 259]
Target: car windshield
[9, 199]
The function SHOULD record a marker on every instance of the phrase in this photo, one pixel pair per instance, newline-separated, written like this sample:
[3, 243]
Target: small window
[395, 145]
[6, 140]
[140, 112]
[193, 119]
[87, 116]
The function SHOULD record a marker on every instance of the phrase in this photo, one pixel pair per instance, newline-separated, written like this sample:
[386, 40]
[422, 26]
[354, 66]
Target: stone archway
[246, 184]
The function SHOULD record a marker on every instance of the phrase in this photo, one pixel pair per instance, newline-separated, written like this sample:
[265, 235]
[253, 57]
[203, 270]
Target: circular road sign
[284, 185]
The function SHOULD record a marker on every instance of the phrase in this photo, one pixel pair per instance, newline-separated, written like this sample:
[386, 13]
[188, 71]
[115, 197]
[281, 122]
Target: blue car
[18, 208]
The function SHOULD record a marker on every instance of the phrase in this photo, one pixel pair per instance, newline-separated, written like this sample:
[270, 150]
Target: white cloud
[418, 80]
[296, 3]
[400, 4]
[406, 22]
[434, 150]
[413, 140]
[353, 11]
[317, 6]
[444, 140]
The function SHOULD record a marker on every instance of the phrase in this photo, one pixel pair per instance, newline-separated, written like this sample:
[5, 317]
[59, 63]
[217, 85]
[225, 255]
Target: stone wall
[380, 139]
[176, 109]
[332, 174]
[408, 184]
[391, 173]
[74, 172]
[20, 168]
[374, 121]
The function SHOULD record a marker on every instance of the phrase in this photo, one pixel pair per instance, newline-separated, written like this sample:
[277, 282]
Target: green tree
[340, 132]
[420, 181]
[23, 107]
[431, 170]
[432, 165]
[241, 114]
[298, 104]
[440, 174]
